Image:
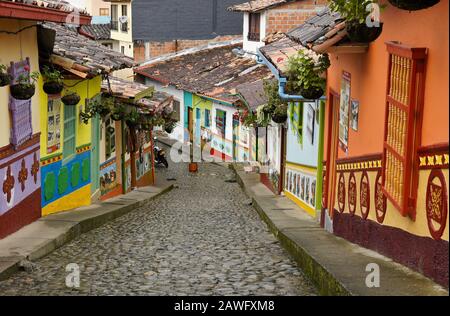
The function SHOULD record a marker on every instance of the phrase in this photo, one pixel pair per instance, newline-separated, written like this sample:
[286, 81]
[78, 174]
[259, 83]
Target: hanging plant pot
[413, 5]
[4, 79]
[169, 129]
[312, 93]
[22, 91]
[71, 99]
[361, 33]
[280, 114]
[52, 87]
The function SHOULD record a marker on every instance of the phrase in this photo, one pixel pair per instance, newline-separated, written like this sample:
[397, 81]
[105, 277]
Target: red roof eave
[31, 12]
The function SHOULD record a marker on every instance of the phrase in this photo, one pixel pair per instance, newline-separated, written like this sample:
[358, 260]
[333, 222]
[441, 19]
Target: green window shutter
[69, 131]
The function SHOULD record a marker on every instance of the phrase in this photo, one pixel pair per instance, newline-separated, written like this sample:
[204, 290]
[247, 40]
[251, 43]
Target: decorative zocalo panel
[434, 157]
[352, 193]
[436, 203]
[19, 174]
[362, 163]
[364, 192]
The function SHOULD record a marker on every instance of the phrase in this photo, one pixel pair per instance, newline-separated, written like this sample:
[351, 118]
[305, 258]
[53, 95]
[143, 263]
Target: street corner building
[386, 150]
[69, 147]
[20, 120]
[204, 84]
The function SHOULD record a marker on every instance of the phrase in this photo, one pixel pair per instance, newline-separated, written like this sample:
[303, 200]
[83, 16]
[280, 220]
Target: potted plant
[5, 79]
[306, 74]
[413, 5]
[53, 83]
[71, 98]
[356, 14]
[25, 86]
[280, 114]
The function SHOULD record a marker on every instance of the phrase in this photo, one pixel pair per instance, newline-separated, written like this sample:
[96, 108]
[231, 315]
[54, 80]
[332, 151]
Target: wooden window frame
[404, 109]
[69, 153]
[103, 12]
[254, 27]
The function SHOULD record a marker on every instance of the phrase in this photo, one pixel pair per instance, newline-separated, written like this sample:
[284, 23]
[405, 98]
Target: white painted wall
[252, 46]
[178, 132]
[274, 146]
[229, 119]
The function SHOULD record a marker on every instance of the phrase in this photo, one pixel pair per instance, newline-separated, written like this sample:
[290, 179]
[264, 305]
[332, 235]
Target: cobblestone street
[201, 238]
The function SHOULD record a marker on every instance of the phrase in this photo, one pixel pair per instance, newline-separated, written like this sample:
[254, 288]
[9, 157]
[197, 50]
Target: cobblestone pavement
[201, 238]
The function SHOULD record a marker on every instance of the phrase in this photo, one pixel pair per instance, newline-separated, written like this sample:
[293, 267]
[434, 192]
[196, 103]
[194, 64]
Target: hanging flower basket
[312, 93]
[280, 114]
[71, 99]
[52, 87]
[413, 5]
[22, 91]
[361, 33]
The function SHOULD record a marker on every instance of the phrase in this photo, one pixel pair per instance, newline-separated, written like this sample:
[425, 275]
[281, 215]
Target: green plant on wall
[276, 108]
[352, 10]
[306, 74]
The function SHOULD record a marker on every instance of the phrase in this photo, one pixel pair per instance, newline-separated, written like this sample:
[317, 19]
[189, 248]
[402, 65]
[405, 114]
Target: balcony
[124, 27]
[114, 25]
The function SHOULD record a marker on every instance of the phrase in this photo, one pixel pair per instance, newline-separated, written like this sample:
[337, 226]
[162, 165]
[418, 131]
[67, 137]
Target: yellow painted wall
[393, 217]
[15, 48]
[86, 89]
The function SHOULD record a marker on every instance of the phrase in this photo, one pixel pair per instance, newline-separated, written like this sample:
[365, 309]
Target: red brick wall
[288, 16]
[162, 48]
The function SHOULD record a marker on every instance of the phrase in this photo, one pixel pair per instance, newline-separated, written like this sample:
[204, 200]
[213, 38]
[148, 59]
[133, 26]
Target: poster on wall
[302, 186]
[53, 125]
[344, 111]
[354, 115]
[310, 113]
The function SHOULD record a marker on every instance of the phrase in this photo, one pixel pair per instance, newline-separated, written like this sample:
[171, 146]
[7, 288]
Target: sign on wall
[344, 111]
[53, 125]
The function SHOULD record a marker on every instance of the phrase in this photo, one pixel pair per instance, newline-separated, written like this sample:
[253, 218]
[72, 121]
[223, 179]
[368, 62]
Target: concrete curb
[336, 266]
[45, 235]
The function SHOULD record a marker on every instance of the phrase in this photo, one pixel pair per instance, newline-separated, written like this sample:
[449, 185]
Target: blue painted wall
[71, 184]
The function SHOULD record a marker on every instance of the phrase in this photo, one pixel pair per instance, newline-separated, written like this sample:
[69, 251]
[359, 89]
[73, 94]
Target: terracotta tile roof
[320, 31]
[157, 102]
[41, 10]
[96, 31]
[82, 56]
[257, 5]
[253, 93]
[126, 89]
[278, 52]
[211, 72]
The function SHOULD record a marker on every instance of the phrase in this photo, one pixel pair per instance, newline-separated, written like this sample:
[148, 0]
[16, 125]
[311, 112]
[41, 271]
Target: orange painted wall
[425, 28]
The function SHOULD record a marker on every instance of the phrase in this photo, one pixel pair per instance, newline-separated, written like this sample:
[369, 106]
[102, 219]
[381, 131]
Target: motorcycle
[160, 156]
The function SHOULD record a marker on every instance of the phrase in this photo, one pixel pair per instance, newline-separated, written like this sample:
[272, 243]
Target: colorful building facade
[386, 132]
[66, 149]
[20, 126]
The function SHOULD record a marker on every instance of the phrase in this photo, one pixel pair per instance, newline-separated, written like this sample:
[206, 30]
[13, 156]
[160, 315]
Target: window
[124, 25]
[254, 26]
[104, 11]
[122, 49]
[176, 110]
[207, 118]
[114, 17]
[69, 131]
[110, 138]
[221, 120]
[403, 116]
